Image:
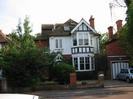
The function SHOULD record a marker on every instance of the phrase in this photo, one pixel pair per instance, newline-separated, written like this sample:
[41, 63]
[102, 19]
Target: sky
[58, 11]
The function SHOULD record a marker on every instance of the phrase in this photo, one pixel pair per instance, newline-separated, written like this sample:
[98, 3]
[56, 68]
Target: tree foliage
[61, 72]
[126, 35]
[24, 64]
[103, 40]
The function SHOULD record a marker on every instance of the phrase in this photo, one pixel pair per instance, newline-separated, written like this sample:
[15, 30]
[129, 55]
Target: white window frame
[58, 43]
[83, 38]
[90, 63]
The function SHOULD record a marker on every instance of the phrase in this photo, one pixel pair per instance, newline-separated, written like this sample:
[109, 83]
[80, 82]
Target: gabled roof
[70, 22]
[83, 21]
[63, 29]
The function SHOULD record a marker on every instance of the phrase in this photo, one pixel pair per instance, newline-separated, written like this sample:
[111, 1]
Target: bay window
[84, 63]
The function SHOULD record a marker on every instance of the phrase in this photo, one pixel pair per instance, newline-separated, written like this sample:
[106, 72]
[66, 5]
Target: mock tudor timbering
[78, 41]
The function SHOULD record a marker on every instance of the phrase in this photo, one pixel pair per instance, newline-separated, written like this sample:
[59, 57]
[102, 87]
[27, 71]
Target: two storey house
[116, 56]
[76, 41]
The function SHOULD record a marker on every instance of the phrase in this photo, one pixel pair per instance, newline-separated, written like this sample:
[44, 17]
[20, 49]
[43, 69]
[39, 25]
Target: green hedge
[61, 72]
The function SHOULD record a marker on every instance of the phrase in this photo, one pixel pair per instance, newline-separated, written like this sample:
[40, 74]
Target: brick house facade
[116, 57]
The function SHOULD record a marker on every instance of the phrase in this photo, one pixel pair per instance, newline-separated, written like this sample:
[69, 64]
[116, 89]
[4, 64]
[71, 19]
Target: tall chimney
[92, 24]
[110, 31]
[119, 24]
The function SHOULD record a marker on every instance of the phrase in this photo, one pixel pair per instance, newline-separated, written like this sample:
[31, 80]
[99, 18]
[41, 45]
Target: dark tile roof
[47, 26]
[70, 22]
[58, 29]
[62, 29]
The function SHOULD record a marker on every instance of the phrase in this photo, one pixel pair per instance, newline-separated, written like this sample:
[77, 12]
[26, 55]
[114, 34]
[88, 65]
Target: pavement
[112, 90]
[116, 83]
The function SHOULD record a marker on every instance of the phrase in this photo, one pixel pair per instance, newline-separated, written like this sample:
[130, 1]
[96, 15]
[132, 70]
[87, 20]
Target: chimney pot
[119, 24]
[110, 31]
[92, 24]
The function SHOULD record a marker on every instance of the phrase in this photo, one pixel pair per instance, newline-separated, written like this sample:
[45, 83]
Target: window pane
[80, 27]
[81, 38]
[76, 63]
[92, 63]
[81, 63]
[84, 27]
[86, 40]
[56, 43]
[80, 41]
[60, 43]
[87, 62]
[74, 40]
[91, 40]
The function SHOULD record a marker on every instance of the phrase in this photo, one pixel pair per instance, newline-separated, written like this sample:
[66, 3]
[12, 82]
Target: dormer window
[66, 28]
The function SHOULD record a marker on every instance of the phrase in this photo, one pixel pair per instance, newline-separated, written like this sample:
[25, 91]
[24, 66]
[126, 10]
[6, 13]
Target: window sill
[84, 70]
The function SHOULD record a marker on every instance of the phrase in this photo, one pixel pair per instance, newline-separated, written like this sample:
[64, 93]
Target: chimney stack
[92, 24]
[119, 24]
[110, 31]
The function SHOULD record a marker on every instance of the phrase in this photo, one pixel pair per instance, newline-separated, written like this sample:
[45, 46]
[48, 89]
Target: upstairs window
[91, 41]
[58, 43]
[83, 38]
[74, 40]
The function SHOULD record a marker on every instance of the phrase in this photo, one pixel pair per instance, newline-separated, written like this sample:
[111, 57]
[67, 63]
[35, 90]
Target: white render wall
[66, 44]
[96, 44]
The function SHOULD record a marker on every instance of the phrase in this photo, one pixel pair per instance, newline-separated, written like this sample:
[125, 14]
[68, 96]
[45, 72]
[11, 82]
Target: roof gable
[83, 22]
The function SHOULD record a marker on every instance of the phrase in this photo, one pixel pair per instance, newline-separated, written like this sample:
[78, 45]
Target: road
[112, 91]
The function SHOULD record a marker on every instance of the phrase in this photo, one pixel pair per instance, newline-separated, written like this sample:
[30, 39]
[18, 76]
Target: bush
[25, 69]
[61, 72]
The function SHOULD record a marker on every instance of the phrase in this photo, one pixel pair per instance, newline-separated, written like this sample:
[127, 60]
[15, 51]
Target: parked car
[18, 96]
[126, 74]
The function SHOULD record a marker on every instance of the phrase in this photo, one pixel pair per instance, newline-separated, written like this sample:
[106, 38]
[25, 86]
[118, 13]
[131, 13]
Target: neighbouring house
[3, 39]
[117, 58]
[78, 42]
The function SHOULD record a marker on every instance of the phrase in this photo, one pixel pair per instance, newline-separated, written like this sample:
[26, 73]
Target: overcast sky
[57, 11]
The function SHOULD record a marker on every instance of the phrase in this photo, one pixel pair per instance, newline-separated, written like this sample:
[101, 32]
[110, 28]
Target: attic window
[66, 28]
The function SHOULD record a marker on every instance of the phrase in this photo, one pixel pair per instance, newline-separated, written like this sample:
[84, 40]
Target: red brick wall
[114, 49]
[41, 43]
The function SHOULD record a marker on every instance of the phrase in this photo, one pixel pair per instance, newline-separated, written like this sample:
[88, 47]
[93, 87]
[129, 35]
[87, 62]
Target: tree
[126, 36]
[103, 40]
[23, 63]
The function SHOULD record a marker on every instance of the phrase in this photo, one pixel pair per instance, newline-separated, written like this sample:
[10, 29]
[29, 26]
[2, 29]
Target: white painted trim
[84, 70]
[118, 56]
[83, 21]
[116, 69]
[83, 55]
[119, 61]
[78, 63]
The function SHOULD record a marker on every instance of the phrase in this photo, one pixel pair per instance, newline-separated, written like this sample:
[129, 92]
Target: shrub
[61, 72]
